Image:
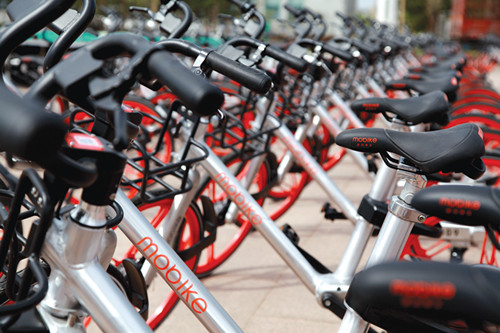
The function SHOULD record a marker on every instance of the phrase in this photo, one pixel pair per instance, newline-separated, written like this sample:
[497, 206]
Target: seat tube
[393, 235]
[375, 87]
[381, 190]
[336, 100]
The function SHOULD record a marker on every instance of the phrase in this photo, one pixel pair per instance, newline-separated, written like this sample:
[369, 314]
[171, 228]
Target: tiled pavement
[257, 288]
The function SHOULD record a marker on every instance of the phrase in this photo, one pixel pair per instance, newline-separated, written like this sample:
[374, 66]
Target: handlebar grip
[196, 93]
[251, 78]
[27, 131]
[286, 58]
[337, 52]
[294, 11]
[342, 16]
[243, 5]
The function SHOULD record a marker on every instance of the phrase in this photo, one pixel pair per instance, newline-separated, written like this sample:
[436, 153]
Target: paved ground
[256, 287]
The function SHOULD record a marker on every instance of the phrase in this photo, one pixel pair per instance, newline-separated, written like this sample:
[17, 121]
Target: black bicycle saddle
[464, 204]
[456, 62]
[426, 296]
[434, 75]
[456, 149]
[431, 107]
[448, 85]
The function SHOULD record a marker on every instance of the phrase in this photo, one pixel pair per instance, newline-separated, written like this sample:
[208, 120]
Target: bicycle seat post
[393, 234]
[400, 218]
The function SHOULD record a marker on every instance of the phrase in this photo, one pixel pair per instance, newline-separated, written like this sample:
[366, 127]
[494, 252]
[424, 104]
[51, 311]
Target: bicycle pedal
[332, 213]
[290, 233]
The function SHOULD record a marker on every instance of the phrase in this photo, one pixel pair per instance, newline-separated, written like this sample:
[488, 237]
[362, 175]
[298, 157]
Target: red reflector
[84, 141]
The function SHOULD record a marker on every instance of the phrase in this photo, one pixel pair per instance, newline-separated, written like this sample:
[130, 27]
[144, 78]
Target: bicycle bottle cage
[28, 205]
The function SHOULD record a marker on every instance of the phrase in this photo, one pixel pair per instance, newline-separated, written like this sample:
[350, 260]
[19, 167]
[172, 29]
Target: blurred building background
[459, 19]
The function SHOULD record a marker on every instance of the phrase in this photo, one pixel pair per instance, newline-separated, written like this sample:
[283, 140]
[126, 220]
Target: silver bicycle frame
[172, 269]
[172, 223]
[392, 237]
[74, 252]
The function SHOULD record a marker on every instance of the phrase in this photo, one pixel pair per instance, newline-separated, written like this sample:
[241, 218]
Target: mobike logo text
[238, 198]
[459, 206]
[173, 275]
[364, 142]
[371, 106]
[422, 294]
[307, 160]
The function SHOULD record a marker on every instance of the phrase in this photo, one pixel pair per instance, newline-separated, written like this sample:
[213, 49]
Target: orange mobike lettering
[371, 106]
[173, 275]
[460, 203]
[238, 198]
[308, 165]
[364, 140]
[422, 294]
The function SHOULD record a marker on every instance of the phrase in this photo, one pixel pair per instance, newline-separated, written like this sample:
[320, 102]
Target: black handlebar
[309, 43]
[70, 34]
[294, 11]
[196, 93]
[27, 131]
[287, 59]
[251, 78]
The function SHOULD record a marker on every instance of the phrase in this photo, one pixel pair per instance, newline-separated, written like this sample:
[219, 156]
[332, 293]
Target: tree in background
[421, 15]
[205, 9]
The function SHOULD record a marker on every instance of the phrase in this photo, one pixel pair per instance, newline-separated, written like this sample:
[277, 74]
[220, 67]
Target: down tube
[259, 219]
[305, 160]
[172, 269]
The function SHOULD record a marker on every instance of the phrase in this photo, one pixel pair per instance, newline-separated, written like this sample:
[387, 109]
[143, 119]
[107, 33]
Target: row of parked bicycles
[174, 145]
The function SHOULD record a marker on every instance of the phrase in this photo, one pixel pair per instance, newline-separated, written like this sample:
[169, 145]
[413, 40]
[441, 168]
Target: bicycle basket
[28, 206]
[154, 169]
[241, 130]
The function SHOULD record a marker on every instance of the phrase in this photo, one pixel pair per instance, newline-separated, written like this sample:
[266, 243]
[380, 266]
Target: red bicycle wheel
[229, 235]
[191, 233]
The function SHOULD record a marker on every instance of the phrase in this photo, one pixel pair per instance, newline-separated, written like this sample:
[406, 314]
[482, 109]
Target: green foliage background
[206, 9]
